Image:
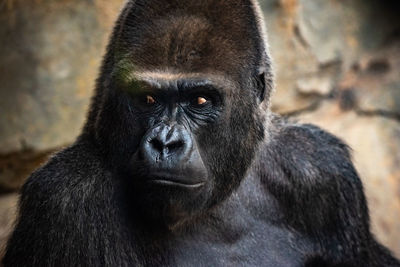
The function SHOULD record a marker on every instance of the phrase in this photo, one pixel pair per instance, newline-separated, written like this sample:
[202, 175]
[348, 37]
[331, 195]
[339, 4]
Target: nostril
[157, 145]
[176, 145]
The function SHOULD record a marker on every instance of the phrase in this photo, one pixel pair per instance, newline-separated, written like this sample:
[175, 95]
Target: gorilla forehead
[195, 36]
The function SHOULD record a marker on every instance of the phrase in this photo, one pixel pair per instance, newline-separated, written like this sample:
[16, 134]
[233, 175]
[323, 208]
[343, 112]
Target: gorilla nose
[166, 144]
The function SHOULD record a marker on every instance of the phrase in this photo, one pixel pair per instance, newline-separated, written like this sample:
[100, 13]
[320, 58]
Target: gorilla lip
[176, 183]
[167, 179]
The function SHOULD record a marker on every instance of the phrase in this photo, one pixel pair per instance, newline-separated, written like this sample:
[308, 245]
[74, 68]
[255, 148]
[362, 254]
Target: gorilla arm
[311, 174]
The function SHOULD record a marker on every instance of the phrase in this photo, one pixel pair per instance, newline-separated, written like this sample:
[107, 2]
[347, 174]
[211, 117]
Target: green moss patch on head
[124, 78]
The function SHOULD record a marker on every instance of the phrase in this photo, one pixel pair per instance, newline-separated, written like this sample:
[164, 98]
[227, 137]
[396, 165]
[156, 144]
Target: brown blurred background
[337, 64]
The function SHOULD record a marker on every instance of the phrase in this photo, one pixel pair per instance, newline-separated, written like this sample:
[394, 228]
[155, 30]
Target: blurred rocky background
[337, 65]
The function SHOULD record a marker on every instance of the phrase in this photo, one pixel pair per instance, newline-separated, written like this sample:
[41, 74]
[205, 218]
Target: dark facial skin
[168, 159]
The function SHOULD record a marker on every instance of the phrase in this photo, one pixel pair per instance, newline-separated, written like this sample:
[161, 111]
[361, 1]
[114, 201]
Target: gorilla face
[172, 112]
[195, 137]
[167, 168]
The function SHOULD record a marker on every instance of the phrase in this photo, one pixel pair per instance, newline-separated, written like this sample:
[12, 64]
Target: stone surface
[308, 36]
[14, 168]
[8, 209]
[50, 54]
[291, 57]
[376, 80]
[315, 85]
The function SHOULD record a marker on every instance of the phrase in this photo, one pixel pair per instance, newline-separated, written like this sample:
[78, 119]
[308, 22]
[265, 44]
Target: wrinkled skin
[181, 163]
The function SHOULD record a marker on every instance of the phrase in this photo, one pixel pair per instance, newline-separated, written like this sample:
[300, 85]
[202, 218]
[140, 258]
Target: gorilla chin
[168, 201]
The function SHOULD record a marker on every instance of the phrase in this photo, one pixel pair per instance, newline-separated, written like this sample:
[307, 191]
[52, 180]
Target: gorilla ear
[260, 87]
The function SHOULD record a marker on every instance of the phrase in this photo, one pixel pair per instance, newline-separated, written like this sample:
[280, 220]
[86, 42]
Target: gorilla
[181, 162]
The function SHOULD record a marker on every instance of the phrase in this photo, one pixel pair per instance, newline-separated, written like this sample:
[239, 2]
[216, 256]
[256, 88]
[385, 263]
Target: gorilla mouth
[167, 182]
[177, 181]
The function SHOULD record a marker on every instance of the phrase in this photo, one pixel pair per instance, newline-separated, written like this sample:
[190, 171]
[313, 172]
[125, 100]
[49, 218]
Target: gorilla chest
[264, 245]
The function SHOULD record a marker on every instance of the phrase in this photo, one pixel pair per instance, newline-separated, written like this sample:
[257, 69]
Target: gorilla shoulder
[60, 204]
[310, 173]
[68, 164]
[68, 176]
[306, 152]
[310, 170]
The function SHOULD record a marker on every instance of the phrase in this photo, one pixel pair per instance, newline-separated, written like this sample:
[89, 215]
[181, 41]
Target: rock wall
[337, 65]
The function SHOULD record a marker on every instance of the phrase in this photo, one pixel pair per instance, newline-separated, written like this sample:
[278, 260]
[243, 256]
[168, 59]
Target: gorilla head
[182, 102]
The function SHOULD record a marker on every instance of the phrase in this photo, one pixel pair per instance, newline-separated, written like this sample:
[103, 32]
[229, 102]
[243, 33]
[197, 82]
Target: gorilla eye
[150, 100]
[201, 101]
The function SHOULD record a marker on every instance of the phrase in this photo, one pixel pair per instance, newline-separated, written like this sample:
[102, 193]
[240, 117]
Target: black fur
[276, 193]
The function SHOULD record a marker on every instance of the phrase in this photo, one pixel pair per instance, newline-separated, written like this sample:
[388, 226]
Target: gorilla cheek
[227, 149]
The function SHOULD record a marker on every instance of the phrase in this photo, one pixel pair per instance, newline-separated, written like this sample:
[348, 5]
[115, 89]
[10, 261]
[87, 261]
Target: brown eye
[150, 100]
[201, 101]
